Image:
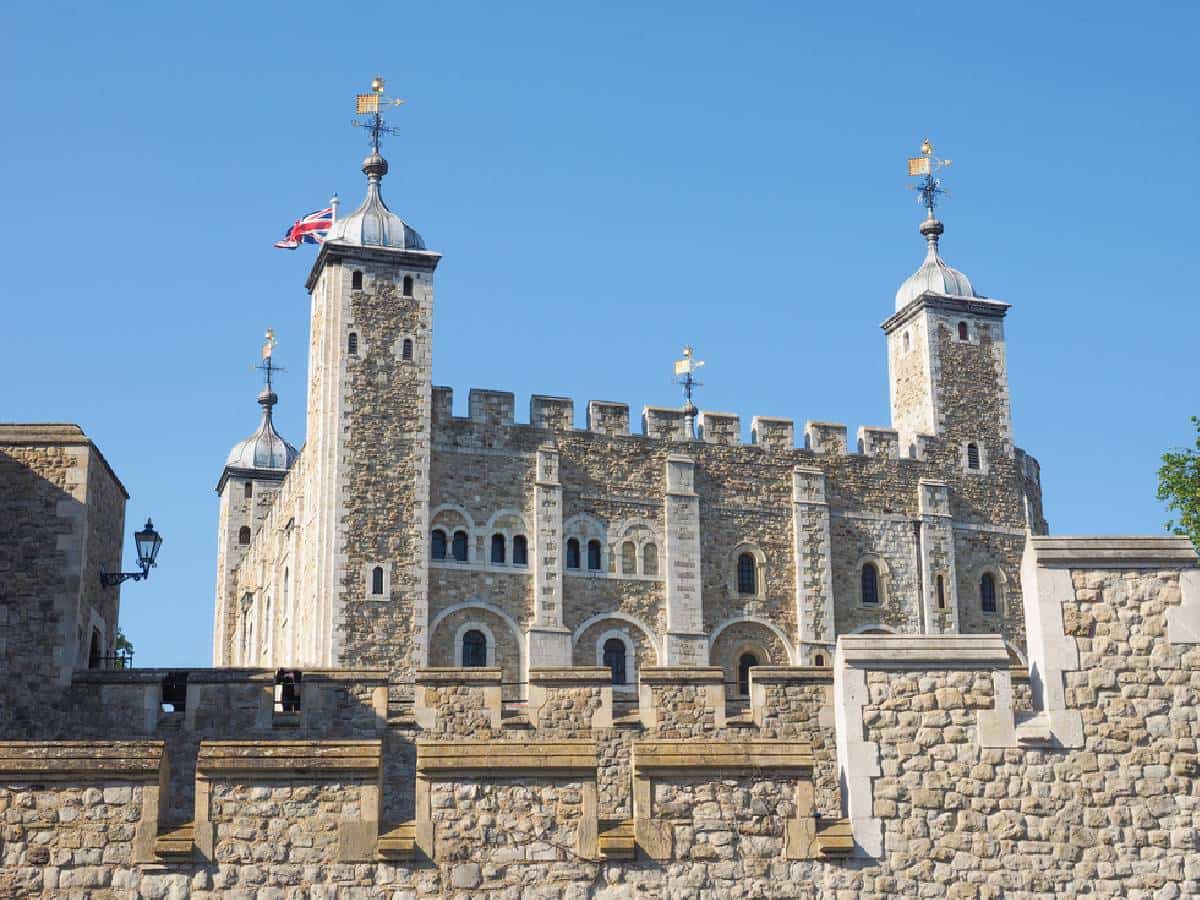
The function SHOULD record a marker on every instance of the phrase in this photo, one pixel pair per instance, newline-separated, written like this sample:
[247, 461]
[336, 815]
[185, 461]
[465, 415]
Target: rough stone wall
[741, 638]
[978, 551]
[794, 711]
[567, 712]
[62, 514]
[886, 541]
[741, 818]
[68, 841]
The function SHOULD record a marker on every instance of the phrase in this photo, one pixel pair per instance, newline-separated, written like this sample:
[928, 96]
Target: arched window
[356, 281]
[941, 592]
[819, 659]
[94, 651]
[614, 658]
[460, 546]
[497, 548]
[407, 352]
[248, 490]
[377, 581]
[352, 344]
[407, 285]
[629, 558]
[972, 456]
[962, 331]
[437, 544]
[747, 575]
[474, 649]
[520, 551]
[744, 663]
[244, 535]
[987, 592]
[870, 583]
[573, 553]
[594, 555]
[650, 560]
[906, 342]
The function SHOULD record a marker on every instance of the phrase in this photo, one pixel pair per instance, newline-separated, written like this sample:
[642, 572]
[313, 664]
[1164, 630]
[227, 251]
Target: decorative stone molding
[246, 761]
[467, 759]
[721, 758]
[78, 763]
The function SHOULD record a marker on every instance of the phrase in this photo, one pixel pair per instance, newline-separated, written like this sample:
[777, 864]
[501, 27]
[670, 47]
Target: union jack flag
[309, 230]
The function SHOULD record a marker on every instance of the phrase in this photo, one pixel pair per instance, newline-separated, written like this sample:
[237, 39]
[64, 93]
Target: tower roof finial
[369, 108]
[685, 370]
[264, 449]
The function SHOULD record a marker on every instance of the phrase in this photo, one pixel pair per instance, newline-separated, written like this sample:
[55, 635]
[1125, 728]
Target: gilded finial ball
[375, 165]
[932, 227]
[377, 84]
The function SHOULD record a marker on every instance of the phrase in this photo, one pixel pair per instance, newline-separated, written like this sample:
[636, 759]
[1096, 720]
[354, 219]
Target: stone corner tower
[249, 483]
[367, 448]
[947, 365]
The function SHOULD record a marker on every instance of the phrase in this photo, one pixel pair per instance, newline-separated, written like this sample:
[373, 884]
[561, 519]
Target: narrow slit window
[460, 546]
[244, 535]
[407, 285]
[650, 559]
[745, 663]
[377, 581]
[520, 551]
[406, 351]
[437, 544]
[870, 584]
[248, 490]
[594, 555]
[972, 456]
[963, 334]
[356, 281]
[747, 577]
[474, 649]
[819, 660]
[573, 553]
[941, 592]
[614, 658]
[352, 344]
[987, 592]
[498, 549]
[629, 558]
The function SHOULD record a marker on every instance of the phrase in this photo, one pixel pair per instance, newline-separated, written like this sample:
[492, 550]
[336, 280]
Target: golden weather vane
[924, 166]
[371, 107]
[685, 375]
[268, 363]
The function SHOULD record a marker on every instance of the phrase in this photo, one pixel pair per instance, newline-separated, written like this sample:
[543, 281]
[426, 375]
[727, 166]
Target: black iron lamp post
[147, 542]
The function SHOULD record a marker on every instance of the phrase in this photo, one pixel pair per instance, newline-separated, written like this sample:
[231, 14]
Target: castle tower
[253, 472]
[946, 358]
[367, 448]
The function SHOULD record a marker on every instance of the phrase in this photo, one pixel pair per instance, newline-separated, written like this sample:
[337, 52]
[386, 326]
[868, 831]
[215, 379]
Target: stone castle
[473, 658]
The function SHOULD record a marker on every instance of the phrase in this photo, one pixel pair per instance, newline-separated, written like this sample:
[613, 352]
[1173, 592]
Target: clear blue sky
[606, 182]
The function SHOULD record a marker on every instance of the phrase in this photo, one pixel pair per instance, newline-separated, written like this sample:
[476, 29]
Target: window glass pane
[377, 580]
[460, 546]
[746, 575]
[497, 548]
[870, 584]
[573, 553]
[987, 592]
[747, 660]
[474, 649]
[437, 545]
[629, 558]
[594, 555]
[614, 658]
[650, 560]
[520, 551]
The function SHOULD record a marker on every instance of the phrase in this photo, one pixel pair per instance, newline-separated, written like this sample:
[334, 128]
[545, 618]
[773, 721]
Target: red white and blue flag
[309, 230]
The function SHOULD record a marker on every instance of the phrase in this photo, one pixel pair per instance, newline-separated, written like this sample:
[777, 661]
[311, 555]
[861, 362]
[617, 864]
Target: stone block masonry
[907, 768]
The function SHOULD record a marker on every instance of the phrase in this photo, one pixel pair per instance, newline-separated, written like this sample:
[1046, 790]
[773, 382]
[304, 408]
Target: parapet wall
[941, 784]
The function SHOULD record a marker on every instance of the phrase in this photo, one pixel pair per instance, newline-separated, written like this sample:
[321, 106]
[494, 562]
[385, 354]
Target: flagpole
[333, 203]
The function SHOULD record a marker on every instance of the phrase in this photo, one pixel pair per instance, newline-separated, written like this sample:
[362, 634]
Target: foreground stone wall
[945, 785]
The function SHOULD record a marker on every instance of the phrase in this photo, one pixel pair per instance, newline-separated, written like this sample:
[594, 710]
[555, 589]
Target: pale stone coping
[329, 758]
[81, 761]
[919, 652]
[457, 756]
[578, 676]
[696, 756]
[459, 675]
[1183, 621]
[53, 434]
[979, 306]
[788, 674]
[681, 675]
[223, 675]
[1115, 551]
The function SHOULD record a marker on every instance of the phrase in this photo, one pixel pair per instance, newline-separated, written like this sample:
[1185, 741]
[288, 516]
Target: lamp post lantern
[147, 541]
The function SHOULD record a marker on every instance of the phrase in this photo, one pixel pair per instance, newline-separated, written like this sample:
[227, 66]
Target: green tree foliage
[1179, 486]
[122, 644]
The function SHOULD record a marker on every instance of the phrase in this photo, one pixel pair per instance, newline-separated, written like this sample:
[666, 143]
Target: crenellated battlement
[495, 408]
